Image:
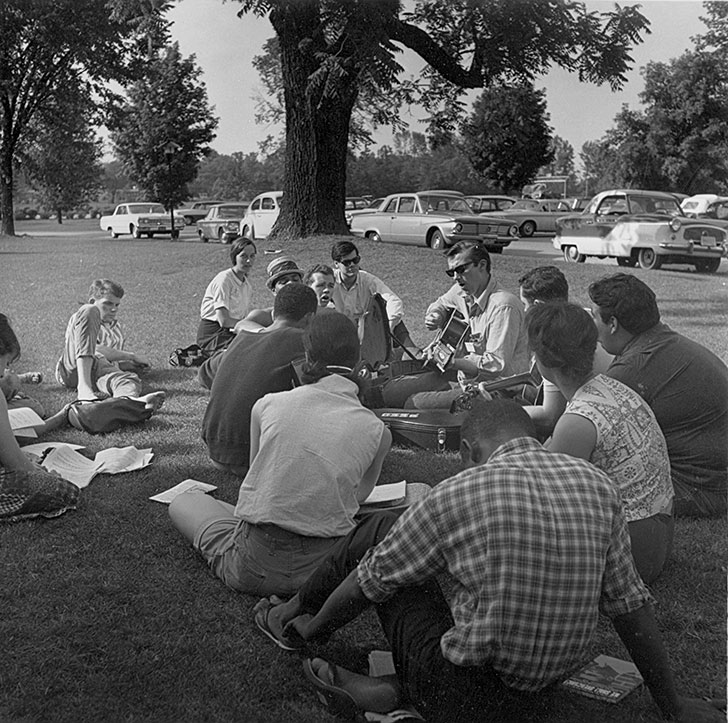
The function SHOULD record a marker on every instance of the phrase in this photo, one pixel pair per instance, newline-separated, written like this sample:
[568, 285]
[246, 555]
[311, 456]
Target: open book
[387, 495]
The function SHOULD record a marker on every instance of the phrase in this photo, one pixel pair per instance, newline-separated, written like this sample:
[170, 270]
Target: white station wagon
[141, 219]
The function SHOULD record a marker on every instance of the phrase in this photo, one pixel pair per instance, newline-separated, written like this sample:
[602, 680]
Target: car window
[256, 204]
[121, 209]
[407, 204]
[391, 207]
[612, 205]
[231, 211]
[268, 204]
[503, 204]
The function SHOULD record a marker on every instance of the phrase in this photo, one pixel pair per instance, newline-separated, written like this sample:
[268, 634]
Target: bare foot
[88, 395]
[154, 400]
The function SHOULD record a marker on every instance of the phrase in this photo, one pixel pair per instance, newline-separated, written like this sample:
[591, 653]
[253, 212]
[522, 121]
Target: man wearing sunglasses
[497, 345]
[355, 288]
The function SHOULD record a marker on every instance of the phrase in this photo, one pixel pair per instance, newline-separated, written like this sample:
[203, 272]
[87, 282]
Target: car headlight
[457, 228]
[232, 225]
[513, 231]
[675, 224]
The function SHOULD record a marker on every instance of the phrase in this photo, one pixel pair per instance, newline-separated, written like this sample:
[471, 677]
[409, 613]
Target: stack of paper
[389, 494]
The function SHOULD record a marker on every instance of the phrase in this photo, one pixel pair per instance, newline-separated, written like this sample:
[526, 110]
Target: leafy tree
[167, 104]
[507, 138]
[46, 46]
[562, 163]
[63, 159]
[331, 49]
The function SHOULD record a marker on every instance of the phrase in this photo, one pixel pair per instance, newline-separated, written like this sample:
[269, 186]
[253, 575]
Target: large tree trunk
[7, 223]
[319, 104]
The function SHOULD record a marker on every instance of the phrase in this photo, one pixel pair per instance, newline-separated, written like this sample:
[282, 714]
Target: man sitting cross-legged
[536, 545]
[255, 364]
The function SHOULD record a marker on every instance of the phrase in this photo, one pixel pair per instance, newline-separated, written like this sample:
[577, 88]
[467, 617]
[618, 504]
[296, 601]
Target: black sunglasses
[459, 270]
[350, 262]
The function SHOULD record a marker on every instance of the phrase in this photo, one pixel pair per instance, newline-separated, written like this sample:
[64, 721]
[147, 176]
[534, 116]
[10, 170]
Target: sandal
[261, 609]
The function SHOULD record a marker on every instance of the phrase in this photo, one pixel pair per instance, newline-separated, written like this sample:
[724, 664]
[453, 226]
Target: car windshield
[231, 211]
[654, 204]
[446, 204]
[146, 208]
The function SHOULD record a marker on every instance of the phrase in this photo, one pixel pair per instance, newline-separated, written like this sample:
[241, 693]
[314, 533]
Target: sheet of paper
[188, 485]
[387, 493]
[71, 466]
[39, 447]
[22, 417]
[28, 432]
[122, 459]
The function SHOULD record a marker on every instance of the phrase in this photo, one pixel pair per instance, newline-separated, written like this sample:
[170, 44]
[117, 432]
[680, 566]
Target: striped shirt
[536, 543]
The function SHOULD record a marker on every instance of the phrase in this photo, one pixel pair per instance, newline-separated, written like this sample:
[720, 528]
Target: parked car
[197, 210]
[695, 205]
[481, 204]
[531, 215]
[717, 211]
[222, 222]
[141, 219]
[369, 207]
[431, 218]
[640, 227]
[354, 203]
[261, 215]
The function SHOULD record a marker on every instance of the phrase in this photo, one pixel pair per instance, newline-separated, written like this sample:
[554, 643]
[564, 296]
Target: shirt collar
[482, 300]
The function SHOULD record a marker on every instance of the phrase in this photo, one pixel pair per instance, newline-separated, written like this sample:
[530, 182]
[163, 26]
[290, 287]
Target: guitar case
[435, 429]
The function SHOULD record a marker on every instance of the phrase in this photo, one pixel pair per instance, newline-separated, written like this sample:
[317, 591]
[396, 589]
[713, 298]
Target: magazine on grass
[605, 678]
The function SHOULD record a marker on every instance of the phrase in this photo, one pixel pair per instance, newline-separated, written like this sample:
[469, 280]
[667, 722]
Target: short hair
[563, 336]
[630, 301]
[496, 419]
[476, 252]
[343, 248]
[238, 244]
[104, 287]
[9, 343]
[317, 269]
[544, 283]
[293, 301]
[331, 340]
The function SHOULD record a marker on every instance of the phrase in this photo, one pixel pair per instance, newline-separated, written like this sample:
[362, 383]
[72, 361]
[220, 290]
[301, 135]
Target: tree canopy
[167, 104]
[331, 49]
[45, 46]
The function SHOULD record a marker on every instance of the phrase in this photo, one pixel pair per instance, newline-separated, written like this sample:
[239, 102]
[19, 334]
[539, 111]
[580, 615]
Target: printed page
[387, 493]
[122, 459]
[188, 485]
[23, 417]
[71, 466]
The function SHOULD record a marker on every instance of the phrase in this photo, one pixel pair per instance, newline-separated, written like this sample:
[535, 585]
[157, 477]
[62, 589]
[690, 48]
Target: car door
[120, 220]
[265, 216]
[405, 225]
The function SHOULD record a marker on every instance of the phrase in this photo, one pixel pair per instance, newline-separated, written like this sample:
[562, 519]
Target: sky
[224, 46]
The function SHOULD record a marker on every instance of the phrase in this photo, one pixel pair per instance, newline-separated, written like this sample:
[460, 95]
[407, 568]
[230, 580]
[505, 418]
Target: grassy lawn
[107, 615]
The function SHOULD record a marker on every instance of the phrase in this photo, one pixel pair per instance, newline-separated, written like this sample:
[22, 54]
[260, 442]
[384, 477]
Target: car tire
[648, 259]
[627, 261]
[707, 266]
[247, 233]
[572, 255]
[374, 236]
[135, 231]
[202, 236]
[175, 234]
[113, 234]
[437, 241]
[527, 229]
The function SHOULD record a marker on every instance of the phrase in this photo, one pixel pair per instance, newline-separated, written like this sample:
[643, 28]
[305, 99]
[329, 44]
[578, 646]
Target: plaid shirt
[536, 543]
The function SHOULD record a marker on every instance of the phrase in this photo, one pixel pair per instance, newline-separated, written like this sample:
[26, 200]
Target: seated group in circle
[580, 522]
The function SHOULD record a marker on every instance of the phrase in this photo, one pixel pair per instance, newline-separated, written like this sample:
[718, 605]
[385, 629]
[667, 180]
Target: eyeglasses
[350, 262]
[459, 270]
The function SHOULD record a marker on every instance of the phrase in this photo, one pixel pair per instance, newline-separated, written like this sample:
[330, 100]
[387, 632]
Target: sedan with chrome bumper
[437, 219]
[640, 227]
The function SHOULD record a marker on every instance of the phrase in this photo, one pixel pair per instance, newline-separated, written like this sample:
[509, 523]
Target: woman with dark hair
[315, 455]
[26, 489]
[227, 298]
[608, 424]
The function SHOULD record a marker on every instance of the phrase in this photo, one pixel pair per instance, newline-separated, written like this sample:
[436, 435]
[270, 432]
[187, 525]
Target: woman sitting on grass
[608, 424]
[26, 489]
[227, 298]
[315, 454]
